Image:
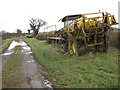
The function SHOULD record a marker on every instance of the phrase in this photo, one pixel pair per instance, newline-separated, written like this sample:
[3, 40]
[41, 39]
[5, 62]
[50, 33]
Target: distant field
[66, 71]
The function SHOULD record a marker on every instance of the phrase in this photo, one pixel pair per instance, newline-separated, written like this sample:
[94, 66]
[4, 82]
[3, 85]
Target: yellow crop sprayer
[84, 32]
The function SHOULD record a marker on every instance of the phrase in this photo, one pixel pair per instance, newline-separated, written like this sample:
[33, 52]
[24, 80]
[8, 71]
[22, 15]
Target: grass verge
[11, 75]
[66, 71]
[5, 44]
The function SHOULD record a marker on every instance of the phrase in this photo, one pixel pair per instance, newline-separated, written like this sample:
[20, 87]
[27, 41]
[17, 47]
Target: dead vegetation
[42, 36]
[114, 40]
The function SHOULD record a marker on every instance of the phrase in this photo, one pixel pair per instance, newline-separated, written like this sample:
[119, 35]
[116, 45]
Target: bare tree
[35, 25]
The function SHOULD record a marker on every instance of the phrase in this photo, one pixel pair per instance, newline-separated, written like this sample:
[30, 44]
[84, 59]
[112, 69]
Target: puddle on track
[31, 67]
[14, 43]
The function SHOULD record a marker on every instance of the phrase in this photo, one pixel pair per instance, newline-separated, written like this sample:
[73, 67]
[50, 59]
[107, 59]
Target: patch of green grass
[11, 74]
[88, 71]
[5, 44]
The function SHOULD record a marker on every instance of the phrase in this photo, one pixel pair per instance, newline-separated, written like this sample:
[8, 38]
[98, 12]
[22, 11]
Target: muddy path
[32, 71]
[8, 52]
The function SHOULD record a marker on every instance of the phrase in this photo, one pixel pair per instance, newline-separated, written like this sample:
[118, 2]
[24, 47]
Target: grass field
[5, 44]
[88, 71]
[11, 74]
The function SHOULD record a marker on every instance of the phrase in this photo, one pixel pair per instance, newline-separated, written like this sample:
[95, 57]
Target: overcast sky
[15, 14]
